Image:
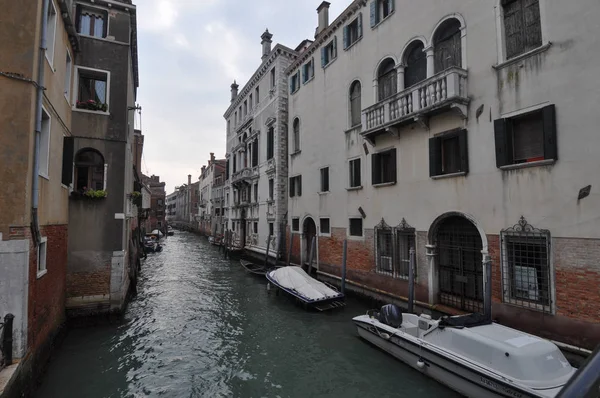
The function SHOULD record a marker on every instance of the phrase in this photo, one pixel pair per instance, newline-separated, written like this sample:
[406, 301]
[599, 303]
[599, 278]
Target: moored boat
[469, 353]
[254, 268]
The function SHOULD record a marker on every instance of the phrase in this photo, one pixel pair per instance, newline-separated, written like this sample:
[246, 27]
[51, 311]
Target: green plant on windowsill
[95, 194]
[92, 105]
[136, 198]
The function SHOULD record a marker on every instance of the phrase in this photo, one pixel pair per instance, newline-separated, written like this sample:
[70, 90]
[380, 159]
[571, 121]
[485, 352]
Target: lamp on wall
[362, 212]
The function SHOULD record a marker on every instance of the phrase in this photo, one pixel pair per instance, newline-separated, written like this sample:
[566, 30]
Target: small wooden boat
[309, 292]
[254, 268]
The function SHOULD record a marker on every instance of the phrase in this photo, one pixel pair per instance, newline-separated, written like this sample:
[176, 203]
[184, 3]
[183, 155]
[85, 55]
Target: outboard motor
[391, 315]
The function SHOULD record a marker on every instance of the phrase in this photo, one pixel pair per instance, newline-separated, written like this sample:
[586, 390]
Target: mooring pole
[345, 250]
[411, 280]
[312, 253]
[267, 252]
[487, 266]
[7, 344]
[289, 259]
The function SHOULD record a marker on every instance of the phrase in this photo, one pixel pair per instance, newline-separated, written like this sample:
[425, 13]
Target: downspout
[35, 191]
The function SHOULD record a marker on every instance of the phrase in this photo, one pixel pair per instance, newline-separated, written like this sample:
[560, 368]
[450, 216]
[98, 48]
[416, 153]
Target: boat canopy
[295, 278]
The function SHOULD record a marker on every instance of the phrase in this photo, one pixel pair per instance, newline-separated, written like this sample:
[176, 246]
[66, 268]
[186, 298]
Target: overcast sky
[189, 53]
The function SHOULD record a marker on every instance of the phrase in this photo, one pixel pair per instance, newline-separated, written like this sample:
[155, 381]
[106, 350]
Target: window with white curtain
[91, 22]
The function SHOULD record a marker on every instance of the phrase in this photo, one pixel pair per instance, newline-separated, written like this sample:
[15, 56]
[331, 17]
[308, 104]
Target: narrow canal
[201, 326]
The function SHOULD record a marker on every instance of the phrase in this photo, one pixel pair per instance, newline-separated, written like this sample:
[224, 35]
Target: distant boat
[308, 291]
[254, 268]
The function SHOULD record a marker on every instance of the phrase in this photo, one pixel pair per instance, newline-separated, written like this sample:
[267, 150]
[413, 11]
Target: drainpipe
[35, 191]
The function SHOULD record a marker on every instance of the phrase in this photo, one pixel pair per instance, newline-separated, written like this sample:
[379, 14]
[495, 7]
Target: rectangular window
[329, 52]
[295, 186]
[384, 255]
[405, 240]
[256, 192]
[308, 70]
[45, 145]
[255, 153]
[270, 143]
[294, 82]
[356, 227]
[353, 31]
[380, 10]
[257, 95]
[93, 90]
[50, 32]
[235, 119]
[325, 179]
[354, 169]
[448, 153]
[295, 224]
[250, 101]
[526, 138]
[68, 76]
[271, 229]
[522, 26]
[42, 255]
[255, 227]
[67, 161]
[324, 225]
[384, 167]
[91, 22]
[273, 79]
[271, 188]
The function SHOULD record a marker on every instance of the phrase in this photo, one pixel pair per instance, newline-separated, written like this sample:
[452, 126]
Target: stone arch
[437, 222]
[409, 44]
[463, 35]
[309, 230]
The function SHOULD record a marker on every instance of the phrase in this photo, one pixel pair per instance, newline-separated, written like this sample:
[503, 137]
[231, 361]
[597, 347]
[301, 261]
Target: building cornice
[324, 36]
[265, 66]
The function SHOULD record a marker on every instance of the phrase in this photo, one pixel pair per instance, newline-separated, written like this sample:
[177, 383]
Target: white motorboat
[468, 353]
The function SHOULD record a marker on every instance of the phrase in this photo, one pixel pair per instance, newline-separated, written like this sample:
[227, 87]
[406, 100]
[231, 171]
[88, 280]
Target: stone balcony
[444, 91]
[245, 175]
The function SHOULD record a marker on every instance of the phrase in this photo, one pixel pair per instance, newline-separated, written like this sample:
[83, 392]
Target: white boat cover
[294, 278]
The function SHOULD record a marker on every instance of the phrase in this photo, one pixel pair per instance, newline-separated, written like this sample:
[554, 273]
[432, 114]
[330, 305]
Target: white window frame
[45, 147]
[321, 179]
[51, 35]
[350, 187]
[76, 90]
[320, 231]
[98, 10]
[68, 75]
[42, 248]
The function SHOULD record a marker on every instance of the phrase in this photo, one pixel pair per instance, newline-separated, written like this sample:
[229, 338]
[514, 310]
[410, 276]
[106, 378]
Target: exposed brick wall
[80, 284]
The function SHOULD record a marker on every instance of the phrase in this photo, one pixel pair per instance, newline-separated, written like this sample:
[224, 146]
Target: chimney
[189, 179]
[212, 157]
[266, 44]
[323, 12]
[234, 91]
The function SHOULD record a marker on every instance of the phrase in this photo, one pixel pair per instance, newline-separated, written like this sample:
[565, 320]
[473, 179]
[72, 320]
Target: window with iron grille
[526, 138]
[295, 224]
[448, 153]
[404, 241]
[384, 167]
[392, 249]
[324, 225]
[522, 26]
[356, 227]
[384, 249]
[324, 179]
[354, 169]
[526, 270]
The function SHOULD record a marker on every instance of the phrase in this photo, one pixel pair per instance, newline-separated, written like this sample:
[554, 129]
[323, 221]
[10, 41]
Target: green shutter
[464, 151]
[501, 138]
[549, 119]
[374, 15]
[360, 33]
[334, 47]
[323, 56]
[435, 158]
[345, 37]
[391, 5]
[67, 160]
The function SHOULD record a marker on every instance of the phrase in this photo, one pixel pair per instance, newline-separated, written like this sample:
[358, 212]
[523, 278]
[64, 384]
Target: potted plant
[92, 105]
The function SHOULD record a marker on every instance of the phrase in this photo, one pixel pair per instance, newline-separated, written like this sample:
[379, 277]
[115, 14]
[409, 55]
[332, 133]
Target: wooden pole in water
[344, 266]
[411, 280]
[267, 252]
[487, 266]
[289, 260]
[312, 253]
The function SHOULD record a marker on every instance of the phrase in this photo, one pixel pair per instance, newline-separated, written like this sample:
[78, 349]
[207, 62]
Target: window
[90, 170]
[392, 249]
[256, 192]
[271, 188]
[92, 90]
[257, 94]
[329, 52]
[354, 169]
[42, 256]
[526, 138]
[384, 254]
[522, 26]
[270, 142]
[295, 186]
[447, 46]
[234, 164]
[235, 119]
[356, 228]
[324, 225]
[384, 167]
[308, 70]
[273, 81]
[296, 127]
[233, 226]
[91, 22]
[67, 161]
[405, 240]
[50, 32]
[325, 179]
[250, 101]
[415, 70]
[45, 145]
[386, 79]
[68, 76]
[294, 82]
[245, 107]
[255, 153]
[295, 224]
[353, 31]
[526, 266]
[271, 229]
[380, 10]
[355, 106]
[448, 153]
[255, 227]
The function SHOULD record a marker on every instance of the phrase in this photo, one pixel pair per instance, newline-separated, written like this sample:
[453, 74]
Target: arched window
[296, 135]
[447, 46]
[89, 169]
[416, 64]
[386, 79]
[355, 104]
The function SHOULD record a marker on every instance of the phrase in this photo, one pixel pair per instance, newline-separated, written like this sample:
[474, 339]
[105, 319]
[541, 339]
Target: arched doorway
[309, 230]
[459, 265]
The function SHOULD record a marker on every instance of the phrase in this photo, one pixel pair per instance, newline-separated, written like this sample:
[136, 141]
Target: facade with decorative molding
[256, 182]
[461, 129]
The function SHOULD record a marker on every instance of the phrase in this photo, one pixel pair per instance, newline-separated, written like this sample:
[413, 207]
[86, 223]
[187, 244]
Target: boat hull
[457, 377]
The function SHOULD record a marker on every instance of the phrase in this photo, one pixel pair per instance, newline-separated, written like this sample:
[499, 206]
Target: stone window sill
[352, 237]
[384, 184]
[354, 188]
[75, 109]
[296, 153]
[545, 162]
[450, 175]
[383, 20]
[323, 193]
[540, 49]
[42, 273]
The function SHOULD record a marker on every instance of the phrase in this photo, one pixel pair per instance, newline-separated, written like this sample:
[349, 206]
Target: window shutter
[360, 24]
[299, 182]
[292, 187]
[435, 160]
[394, 166]
[323, 55]
[501, 139]
[346, 44]
[375, 168]
[464, 151]
[105, 175]
[292, 84]
[312, 68]
[391, 5]
[334, 55]
[304, 73]
[549, 118]
[67, 164]
[373, 13]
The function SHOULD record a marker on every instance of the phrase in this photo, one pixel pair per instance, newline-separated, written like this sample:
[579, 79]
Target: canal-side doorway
[460, 269]
[309, 230]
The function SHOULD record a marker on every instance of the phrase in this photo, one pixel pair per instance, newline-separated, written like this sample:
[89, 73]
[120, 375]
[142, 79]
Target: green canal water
[200, 326]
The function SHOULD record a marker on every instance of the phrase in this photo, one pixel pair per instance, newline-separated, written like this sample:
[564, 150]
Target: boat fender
[420, 364]
[385, 336]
